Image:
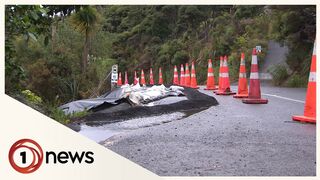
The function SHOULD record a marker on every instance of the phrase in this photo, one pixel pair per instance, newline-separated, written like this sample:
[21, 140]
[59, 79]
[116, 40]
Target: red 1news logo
[26, 156]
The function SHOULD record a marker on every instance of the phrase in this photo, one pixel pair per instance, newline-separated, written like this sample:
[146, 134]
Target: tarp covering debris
[136, 95]
[192, 102]
[140, 96]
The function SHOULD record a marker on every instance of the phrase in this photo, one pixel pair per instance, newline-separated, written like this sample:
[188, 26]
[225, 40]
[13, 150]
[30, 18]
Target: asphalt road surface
[231, 139]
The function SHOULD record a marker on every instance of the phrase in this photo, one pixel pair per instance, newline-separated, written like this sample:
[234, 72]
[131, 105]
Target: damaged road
[192, 101]
[190, 136]
[196, 101]
[231, 139]
[133, 107]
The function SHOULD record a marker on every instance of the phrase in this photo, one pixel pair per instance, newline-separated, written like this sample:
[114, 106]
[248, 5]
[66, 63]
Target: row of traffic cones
[186, 79]
[142, 78]
[253, 96]
[190, 81]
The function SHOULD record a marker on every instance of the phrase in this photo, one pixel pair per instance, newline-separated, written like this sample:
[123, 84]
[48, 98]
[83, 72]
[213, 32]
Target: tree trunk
[85, 53]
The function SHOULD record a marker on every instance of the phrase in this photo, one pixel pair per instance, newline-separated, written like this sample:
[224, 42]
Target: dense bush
[279, 74]
[31, 97]
[297, 81]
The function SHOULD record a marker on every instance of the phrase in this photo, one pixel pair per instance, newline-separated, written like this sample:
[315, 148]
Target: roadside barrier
[242, 83]
[142, 80]
[160, 76]
[193, 83]
[181, 75]
[310, 105]
[125, 78]
[210, 77]
[220, 80]
[254, 88]
[135, 81]
[175, 76]
[224, 86]
[187, 76]
[119, 83]
[151, 77]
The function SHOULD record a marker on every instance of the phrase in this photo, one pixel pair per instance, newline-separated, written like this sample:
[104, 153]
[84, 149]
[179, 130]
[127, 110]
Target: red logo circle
[37, 153]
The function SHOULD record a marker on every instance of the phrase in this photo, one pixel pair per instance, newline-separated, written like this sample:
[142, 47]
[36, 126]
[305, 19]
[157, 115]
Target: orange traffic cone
[242, 84]
[181, 75]
[310, 105]
[193, 83]
[119, 83]
[220, 71]
[254, 89]
[151, 77]
[187, 76]
[210, 77]
[160, 76]
[125, 78]
[224, 89]
[135, 81]
[142, 81]
[175, 76]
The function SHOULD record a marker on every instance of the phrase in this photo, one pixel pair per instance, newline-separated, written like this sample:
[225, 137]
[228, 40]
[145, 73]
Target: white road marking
[272, 95]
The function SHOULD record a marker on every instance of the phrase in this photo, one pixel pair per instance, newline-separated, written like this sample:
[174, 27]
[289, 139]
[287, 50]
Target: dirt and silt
[192, 102]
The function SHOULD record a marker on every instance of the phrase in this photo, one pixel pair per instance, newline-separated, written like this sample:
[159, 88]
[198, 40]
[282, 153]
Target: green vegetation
[64, 53]
[295, 27]
[30, 96]
[279, 74]
[58, 115]
[51, 110]
[297, 81]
